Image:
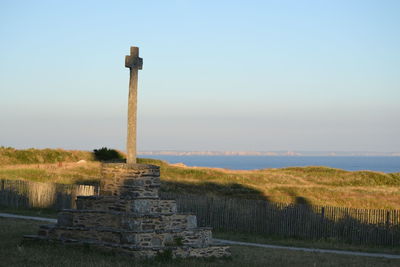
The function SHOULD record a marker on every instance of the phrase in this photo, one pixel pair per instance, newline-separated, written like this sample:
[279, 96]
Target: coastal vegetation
[9, 155]
[315, 185]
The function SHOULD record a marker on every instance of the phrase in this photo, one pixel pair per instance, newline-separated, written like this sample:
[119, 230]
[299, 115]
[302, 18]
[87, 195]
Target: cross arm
[133, 61]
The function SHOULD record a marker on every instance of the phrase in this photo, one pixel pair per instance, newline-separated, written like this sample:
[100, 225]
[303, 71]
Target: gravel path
[229, 242]
[14, 216]
[342, 252]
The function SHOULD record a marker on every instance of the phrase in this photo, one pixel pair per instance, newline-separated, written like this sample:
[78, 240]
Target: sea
[387, 164]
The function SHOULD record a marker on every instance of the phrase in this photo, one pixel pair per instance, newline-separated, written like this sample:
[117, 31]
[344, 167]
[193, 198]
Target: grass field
[314, 185]
[244, 237]
[66, 173]
[14, 252]
[304, 243]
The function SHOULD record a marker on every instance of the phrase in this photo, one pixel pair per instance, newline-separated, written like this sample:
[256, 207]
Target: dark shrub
[164, 256]
[105, 154]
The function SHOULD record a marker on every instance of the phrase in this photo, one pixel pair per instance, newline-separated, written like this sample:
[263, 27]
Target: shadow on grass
[39, 212]
[212, 189]
[227, 207]
[218, 206]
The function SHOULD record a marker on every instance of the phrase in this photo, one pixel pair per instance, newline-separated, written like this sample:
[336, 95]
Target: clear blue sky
[217, 75]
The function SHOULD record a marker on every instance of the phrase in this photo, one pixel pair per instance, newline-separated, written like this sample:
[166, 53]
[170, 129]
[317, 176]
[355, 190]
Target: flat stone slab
[126, 221]
[198, 237]
[133, 168]
[137, 205]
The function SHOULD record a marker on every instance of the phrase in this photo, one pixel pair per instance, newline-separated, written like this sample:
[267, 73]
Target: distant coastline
[382, 163]
[269, 153]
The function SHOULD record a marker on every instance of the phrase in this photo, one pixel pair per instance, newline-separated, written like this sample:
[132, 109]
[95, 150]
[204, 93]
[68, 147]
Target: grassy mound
[10, 155]
[314, 185]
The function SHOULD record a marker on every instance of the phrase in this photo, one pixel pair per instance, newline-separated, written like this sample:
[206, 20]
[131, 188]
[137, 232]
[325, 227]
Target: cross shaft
[134, 63]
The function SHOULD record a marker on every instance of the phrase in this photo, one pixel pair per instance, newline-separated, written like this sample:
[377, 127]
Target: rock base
[129, 217]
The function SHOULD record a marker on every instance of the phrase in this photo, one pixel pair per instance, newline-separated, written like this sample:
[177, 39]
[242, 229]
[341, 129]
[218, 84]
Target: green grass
[36, 212]
[296, 242]
[14, 252]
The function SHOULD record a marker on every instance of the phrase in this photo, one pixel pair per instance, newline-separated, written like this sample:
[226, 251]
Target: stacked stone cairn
[129, 217]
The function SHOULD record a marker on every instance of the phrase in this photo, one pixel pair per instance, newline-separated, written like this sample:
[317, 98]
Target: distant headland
[269, 153]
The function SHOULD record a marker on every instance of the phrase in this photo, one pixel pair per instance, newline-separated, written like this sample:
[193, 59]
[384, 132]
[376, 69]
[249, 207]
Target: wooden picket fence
[27, 194]
[356, 226]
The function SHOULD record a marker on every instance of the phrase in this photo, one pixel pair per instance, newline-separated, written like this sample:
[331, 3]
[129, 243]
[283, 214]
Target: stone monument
[128, 216]
[134, 63]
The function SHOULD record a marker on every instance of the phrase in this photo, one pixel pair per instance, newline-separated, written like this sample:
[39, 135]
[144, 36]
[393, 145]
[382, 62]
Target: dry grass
[316, 185]
[65, 173]
[9, 155]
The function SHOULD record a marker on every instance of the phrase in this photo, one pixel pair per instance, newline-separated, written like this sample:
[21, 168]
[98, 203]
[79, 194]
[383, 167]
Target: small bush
[164, 256]
[178, 241]
[105, 154]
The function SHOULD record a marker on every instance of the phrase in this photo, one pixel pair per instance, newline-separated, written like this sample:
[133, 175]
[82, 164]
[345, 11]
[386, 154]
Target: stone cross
[134, 63]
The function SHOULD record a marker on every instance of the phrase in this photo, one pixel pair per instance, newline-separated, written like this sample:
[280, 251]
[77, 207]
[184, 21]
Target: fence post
[387, 219]
[322, 213]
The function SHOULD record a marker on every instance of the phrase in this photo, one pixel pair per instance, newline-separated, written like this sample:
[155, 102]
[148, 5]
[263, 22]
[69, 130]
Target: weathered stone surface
[130, 181]
[136, 170]
[133, 219]
[113, 203]
[126, 221]
[134, 63]
[150, 206]
[199, 237]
